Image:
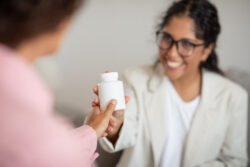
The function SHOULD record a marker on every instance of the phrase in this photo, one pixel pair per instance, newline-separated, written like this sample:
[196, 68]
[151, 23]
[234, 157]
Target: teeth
[173, 64]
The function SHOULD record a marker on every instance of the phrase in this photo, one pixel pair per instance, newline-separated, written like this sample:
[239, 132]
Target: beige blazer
[218, 132]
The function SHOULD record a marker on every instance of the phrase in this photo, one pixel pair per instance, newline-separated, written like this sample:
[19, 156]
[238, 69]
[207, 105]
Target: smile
[172, 64]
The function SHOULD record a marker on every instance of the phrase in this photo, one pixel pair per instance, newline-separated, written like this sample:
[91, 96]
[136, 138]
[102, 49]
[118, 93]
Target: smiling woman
[182, 110]
[199, 25]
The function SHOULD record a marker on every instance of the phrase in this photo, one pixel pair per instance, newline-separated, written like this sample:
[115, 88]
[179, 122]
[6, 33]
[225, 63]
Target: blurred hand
[117, 117]
[100, 121]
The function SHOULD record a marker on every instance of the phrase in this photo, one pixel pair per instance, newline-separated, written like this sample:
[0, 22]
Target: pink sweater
[30, 134]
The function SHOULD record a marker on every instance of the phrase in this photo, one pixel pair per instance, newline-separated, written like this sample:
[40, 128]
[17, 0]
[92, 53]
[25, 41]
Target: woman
[182, 111]
[31, 135]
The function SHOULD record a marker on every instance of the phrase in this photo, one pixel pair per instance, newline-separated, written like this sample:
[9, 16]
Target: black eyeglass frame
[176, 42]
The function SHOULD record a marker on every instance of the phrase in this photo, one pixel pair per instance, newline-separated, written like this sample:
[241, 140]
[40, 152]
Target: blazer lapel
[155, 106]
[201, 124]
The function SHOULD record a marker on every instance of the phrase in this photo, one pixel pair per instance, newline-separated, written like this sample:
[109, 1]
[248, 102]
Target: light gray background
[116, 34]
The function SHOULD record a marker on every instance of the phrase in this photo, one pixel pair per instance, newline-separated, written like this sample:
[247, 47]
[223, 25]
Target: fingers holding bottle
[100, 121]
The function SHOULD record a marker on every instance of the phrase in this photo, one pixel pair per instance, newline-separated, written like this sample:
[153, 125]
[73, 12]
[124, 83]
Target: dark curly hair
[24, 19]
[207, 26]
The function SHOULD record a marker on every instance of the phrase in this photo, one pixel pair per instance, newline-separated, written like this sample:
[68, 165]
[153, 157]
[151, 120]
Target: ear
[206, 52]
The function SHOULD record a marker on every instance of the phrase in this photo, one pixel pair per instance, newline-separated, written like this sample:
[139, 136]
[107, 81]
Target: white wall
[115, 34]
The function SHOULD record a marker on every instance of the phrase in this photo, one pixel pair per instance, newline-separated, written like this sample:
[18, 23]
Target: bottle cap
[111, 76]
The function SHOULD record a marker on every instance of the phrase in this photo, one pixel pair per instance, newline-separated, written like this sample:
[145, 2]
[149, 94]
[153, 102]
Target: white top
[179, 117]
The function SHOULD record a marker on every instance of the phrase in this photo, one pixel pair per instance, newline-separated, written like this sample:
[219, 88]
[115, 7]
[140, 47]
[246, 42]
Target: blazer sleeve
[128, 133]
[234, 149]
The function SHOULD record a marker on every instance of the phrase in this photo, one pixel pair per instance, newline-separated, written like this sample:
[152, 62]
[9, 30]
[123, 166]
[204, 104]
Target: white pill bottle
[111, 88]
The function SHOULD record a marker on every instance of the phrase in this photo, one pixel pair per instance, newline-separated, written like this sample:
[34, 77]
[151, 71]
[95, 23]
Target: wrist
[94, 128]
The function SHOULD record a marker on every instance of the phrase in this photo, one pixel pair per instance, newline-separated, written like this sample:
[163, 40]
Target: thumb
[111, 107]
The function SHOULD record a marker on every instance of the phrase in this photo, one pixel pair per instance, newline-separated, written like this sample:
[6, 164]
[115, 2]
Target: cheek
[193, 62]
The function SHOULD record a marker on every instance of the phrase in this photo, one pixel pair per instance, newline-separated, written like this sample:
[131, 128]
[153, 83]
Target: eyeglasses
[184, 47]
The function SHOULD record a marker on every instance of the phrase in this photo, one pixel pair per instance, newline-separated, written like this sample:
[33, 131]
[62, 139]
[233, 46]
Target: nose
[172, 52]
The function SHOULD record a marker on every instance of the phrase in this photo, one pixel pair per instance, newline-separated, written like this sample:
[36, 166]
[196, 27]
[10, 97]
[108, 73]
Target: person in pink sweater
[31, 135]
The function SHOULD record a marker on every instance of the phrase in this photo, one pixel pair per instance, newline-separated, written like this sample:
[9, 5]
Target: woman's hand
[100, 121]
[117, 118]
